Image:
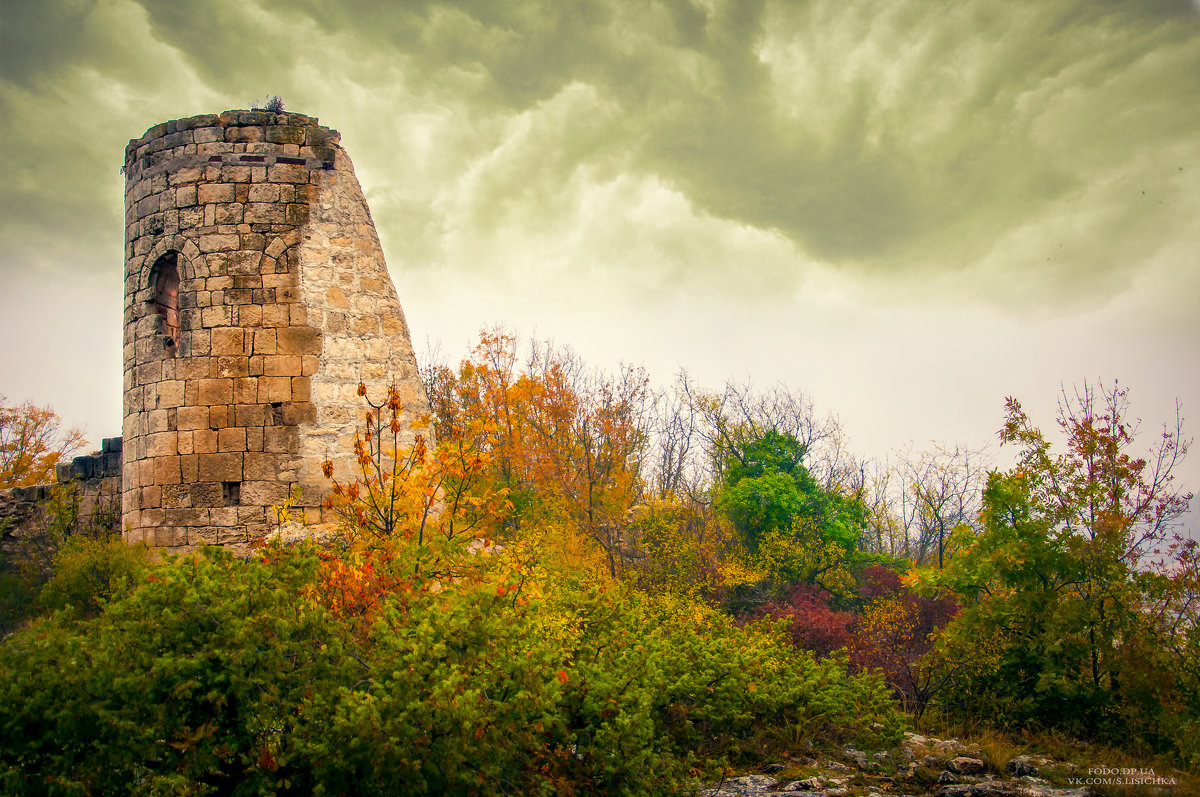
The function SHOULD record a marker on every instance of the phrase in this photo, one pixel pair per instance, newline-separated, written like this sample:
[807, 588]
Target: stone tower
[256, 300]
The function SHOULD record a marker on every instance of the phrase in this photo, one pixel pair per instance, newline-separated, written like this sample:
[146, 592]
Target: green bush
[218, 675]
[91, 571]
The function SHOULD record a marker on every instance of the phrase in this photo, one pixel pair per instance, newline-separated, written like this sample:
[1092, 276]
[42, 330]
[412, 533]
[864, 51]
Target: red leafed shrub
[880, 581]
[893, 634]
[814, 626]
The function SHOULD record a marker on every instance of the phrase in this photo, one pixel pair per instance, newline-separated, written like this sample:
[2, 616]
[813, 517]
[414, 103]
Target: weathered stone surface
[965, 766]
[284, 303]
[1021, 766]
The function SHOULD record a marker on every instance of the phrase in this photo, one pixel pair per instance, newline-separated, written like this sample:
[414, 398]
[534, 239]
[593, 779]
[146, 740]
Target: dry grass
[999, 747]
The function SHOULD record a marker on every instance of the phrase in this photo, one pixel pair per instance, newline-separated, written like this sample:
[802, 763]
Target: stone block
[235, 174]
[150, 501]
[170, 393]
[204, 441]
[296, 214]
[244, 263]
[285, 134]
[263, 192]
[214, 317]
[185, 176]
[157, 421]
[243, 134]
[301, 389]
[219, 243]
[175, 496]
[280, 440]
[264, 493]
[215, 391]
[203, 535]
[222, 467]
[192, 418]
[231, 438]
[185, 196]
[275, 316]
[249, 414]
[282, 365]
[218, 417]
[229, 214]
[249, 315]
[232, 367]
[224, 516]
[207, 193]
[298, 412]
[166, 470]
[265, 341]
[287, 173]
[245, 387]
[208, 135]
[207, 494]
[229, 341]
[264, 213]
[167, 536]
[275, 389]
[160, 444]
[299, 340]
[261, 467]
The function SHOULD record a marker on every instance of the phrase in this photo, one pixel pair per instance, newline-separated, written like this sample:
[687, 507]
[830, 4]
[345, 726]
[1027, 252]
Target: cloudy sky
[908, 209]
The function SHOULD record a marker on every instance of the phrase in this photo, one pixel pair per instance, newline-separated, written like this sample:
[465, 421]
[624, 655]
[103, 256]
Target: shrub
[271, 103]
[91, 571]
[812, 624]
[236, 676]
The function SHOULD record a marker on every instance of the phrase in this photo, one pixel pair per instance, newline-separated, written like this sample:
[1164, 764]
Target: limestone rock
[1020, 766]
[965, 766]
[745, 786]
[808, 784]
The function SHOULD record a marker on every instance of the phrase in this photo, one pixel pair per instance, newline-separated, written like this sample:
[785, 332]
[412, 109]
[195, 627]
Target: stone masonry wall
[256, 299]
[96, 479]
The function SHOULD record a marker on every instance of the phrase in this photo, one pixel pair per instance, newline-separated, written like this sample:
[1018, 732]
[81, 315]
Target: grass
[998, 747]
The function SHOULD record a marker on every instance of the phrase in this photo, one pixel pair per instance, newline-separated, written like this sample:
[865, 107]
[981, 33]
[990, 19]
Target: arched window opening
[164, 279]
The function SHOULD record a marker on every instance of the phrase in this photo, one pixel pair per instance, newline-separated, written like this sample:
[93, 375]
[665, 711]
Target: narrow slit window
[164, 279]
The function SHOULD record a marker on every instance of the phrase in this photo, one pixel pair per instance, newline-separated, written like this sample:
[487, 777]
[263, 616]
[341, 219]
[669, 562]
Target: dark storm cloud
[889, 138]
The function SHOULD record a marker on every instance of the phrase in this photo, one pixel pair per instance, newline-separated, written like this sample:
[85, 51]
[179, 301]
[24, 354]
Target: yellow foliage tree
[32, 442]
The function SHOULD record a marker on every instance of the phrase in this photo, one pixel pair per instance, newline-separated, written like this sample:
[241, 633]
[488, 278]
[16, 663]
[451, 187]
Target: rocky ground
[920, 766]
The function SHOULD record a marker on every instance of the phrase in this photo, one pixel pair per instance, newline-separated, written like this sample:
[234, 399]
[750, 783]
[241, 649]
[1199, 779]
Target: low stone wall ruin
[89, 486]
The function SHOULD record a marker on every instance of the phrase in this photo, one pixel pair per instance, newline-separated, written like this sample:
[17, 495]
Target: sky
[906, 209]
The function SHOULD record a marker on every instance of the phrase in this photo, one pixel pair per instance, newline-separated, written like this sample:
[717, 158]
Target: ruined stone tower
[256, 299]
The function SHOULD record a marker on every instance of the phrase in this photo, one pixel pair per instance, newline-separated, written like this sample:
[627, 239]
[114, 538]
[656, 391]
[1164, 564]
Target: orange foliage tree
[566, 443]
[32, 442]
[407, 516]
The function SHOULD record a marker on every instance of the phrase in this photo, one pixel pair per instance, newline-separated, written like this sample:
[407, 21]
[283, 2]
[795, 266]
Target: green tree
[793, 529]
[1077, 590]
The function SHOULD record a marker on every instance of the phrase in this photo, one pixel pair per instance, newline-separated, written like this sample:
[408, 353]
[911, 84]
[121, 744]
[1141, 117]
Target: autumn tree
[32, 442]
[1078, 585]
[565, 441]
[895, 632]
